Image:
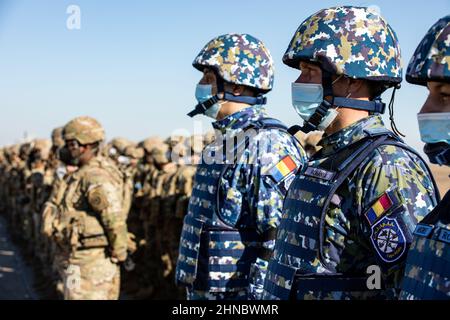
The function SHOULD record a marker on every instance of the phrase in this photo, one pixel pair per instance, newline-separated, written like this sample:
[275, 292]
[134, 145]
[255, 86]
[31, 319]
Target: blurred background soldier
[91, 224]
[22, 187]
[40, 182]
[427, 274]
[62, 170]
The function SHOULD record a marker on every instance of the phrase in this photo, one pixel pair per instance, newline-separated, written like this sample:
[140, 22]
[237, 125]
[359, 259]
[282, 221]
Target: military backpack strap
[348, 161]
[261, 124]
[344, 163]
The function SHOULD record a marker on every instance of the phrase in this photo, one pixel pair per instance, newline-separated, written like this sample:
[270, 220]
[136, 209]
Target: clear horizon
[129, 65]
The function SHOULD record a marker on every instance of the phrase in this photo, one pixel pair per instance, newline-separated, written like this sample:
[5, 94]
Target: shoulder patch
[388, 240]
[384, 204]
[98, 199]
[282, 169]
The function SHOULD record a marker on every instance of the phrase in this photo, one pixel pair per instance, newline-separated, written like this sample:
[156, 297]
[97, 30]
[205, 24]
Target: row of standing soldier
[156, 196]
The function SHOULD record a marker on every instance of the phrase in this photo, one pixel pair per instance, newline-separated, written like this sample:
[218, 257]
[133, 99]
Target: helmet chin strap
[375, 106]
[314, 121]
[438, 153]
[223, 95]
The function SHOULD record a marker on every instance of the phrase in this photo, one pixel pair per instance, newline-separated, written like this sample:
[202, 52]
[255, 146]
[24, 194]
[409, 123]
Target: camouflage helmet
[150, 143]
[196, 143]
[133, 152]
[175, 140]
[239, 59]
[57, 137]
[353, 41]
[161, 153]
[120, 144]
[25, 150]
[42, 146]
[85, 130]
[431, 60]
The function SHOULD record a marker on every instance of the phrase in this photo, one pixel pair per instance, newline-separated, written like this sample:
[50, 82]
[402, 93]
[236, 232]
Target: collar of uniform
[240, 119]
[349, 135]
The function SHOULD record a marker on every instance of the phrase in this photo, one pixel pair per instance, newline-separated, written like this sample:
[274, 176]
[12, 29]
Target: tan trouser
[91, 275]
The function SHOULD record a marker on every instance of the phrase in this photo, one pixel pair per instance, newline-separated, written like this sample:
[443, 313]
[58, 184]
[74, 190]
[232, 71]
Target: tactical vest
[292, 274]
[78, 226]
[216, 251]
[427, 273]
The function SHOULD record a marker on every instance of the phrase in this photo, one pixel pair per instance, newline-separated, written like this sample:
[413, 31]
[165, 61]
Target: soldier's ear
[356, 86]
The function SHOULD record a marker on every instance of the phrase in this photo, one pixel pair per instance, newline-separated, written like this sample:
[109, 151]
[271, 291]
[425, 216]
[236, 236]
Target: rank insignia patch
[282, 169]
[388, 240]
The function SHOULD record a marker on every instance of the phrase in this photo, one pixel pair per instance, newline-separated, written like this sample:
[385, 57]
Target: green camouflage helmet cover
[120, 144]
[85, 130]
[431, 60]
[352, 41]
[57, 137]
[239, 59]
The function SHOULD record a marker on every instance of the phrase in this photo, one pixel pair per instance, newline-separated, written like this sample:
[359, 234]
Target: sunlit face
[438, 98]
[309, 73]
[312, 73]
[209, 77]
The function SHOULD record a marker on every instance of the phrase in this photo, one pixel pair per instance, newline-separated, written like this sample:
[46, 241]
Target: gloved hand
[132, 246]
[118, 257]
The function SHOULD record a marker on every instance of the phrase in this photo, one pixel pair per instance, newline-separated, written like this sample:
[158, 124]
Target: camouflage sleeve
[105, 198]
[280, 157]
[395, 191]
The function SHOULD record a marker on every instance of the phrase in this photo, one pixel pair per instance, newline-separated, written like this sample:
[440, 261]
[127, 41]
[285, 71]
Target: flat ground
[16, 277]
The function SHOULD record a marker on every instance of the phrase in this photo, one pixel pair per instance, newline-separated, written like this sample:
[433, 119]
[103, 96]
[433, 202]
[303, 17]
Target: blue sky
[130, 63]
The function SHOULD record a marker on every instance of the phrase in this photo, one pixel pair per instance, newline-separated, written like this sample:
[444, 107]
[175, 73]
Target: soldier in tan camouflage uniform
[90, 226]
[155, 199]
[177, 190]
[61, 172]
[39, 186]
[3, 167]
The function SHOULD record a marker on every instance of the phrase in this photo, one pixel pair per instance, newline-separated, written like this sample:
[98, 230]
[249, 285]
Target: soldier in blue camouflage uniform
[229, 231]
[427, 274]
[356, 203]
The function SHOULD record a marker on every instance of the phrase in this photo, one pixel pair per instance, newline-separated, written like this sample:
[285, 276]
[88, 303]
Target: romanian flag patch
[282, 169]
[379, 208]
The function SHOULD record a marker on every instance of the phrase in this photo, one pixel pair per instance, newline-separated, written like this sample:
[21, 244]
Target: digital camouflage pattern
[240, 59]
[431, 60]
[352, 41]
[248, 193]
[427, 273]
[348, 248]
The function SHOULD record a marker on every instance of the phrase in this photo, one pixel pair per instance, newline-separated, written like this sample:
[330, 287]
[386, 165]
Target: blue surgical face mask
[203, 92]
[434, 127]
[306, 98]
